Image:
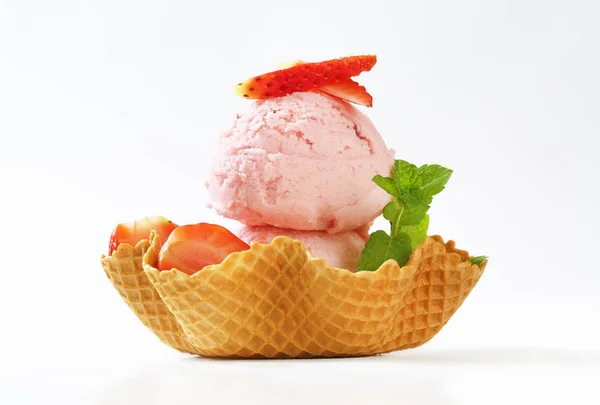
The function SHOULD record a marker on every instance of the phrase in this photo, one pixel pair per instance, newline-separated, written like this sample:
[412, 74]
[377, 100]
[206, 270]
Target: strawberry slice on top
[133, 232]
[350, 91]
[192, 247]
[305, 76]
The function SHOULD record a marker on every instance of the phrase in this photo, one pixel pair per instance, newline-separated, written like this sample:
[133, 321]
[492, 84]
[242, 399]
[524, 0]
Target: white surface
[449, 376]
[109, 112]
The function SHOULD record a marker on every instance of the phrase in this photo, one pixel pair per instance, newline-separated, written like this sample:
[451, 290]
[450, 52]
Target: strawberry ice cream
[341, 250]
[303, 162]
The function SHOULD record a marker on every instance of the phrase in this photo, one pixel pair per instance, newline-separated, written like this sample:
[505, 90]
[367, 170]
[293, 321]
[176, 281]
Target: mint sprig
[478, 260]
[412, 189]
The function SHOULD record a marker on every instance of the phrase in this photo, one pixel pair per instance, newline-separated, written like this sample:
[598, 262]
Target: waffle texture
[125, 272]
[275, 301]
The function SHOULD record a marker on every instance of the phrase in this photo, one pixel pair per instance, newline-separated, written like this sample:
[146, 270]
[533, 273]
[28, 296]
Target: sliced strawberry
[133, 232]
[305, 76]
[192, 247]
[350, 91]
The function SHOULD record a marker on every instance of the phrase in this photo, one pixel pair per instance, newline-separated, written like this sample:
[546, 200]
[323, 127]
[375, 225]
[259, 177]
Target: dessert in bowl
[306, 173]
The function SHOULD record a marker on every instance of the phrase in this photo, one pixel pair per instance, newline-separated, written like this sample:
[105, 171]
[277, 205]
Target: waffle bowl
[276, 301]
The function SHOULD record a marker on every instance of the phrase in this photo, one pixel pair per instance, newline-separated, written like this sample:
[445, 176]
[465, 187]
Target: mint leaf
[391, 211]
[478, 260]
[401, 215]
[405, 174]
[386, 183]
[433, 181]
[413, 213]
[417, 233]
[381, 247]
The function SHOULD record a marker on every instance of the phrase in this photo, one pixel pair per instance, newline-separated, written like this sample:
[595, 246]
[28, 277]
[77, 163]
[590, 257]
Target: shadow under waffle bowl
[274, 301]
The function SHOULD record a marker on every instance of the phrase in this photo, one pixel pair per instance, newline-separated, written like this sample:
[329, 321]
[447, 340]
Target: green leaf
[405, 174]
[391, 211]
[386, 183]
[433, 179]
[409, 198]
[417, 233]
[478, 260]
[413, 213]
[382, 247]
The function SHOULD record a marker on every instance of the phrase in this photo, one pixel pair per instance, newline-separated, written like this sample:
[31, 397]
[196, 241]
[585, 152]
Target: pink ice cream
[341, 250]
[304, 162]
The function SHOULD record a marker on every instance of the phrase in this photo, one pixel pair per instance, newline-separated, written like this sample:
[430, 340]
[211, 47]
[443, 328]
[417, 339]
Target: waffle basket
[276, 301]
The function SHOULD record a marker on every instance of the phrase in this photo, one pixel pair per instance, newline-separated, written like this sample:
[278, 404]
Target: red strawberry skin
[350, 91]
[133, 232]
[304, 77]
[192, 247]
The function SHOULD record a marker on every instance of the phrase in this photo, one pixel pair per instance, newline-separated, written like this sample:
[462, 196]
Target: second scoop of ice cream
[339, 250]
[304, 162]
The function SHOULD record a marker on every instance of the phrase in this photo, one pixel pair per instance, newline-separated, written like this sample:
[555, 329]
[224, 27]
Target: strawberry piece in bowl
[305, 76]
[133, 232]
[192, 247]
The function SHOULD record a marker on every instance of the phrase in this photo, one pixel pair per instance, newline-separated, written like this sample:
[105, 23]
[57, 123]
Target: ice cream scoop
[340, 250]
[304, 161]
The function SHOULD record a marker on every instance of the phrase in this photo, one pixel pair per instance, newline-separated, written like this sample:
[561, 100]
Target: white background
[110, 110]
